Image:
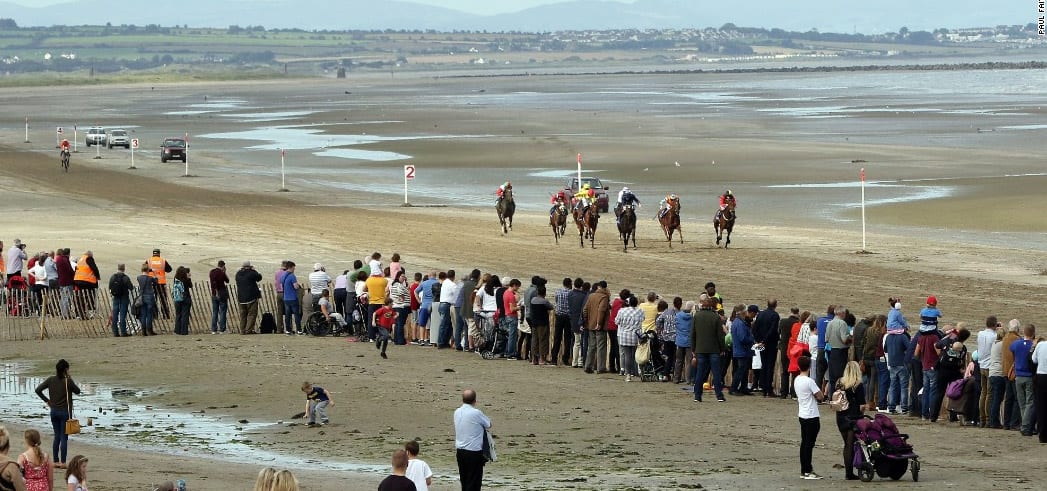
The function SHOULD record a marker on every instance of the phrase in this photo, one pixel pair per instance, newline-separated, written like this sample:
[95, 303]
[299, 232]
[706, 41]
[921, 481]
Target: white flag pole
[27, 128]
[186, 154]
[75, 138]
[405, 185]
[283, 179]
[863, 208]
[579, 172]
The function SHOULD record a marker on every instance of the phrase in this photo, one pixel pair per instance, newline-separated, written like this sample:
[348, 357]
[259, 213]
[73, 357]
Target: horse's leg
[729, 229]
[716, 227]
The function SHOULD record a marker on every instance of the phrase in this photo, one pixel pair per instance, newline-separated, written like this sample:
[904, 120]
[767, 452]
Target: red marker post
[862, 176]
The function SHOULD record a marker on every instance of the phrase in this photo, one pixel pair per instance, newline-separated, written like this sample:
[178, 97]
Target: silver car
[118, 138]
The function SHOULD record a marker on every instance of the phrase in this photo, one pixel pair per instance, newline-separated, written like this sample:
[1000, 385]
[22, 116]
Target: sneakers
[882, 410]
[324, 422]
[384, 355]
[810, 476]
[628, 378]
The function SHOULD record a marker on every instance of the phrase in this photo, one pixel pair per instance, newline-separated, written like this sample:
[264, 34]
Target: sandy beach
[557, 428]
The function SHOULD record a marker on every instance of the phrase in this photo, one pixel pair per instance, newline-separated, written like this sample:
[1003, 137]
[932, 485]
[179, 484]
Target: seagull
[714, 162]
[645, 169]
[677, 163]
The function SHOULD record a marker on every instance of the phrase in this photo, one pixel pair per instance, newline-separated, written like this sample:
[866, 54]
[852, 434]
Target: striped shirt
[629, 320]
[561, 301]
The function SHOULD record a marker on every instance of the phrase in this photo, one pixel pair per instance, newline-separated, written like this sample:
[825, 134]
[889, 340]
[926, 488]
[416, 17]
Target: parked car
[599, 190]
[96, 136]
[173, 149]
[118, 138]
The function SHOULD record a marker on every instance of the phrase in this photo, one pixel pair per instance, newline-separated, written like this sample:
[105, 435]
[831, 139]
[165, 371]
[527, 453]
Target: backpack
[268, 323]
[119, 285]
[950, 360]
[178, 291]
[437, 287]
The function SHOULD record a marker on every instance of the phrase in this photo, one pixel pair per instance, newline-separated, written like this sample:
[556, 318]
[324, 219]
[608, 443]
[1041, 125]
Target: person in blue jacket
[742, 342]
[895, 345]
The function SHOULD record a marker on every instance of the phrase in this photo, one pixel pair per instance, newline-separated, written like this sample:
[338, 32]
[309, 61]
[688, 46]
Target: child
[36, 466]
[807, 397]
[384, 318]
[76, 473]
[417, 470]
[317, 400]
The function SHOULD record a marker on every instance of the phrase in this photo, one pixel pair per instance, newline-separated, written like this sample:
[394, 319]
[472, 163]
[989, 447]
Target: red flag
[863, 174]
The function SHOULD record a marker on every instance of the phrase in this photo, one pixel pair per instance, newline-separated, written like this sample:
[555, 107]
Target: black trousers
[1039, 385]
[470, 468]
[768, 357]
[837, 362]
[809, 429]
[786, 387]
[562, 333]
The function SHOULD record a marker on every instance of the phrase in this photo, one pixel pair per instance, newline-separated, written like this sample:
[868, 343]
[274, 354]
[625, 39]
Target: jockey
[625, 197]
[725, 198]
[506, 186]
[64, 146]
[558, 200]
[666, 203]
[583, 198]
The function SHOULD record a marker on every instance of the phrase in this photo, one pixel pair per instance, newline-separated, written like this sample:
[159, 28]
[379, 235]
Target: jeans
[120, 307]
[248, 317]
[883, 381]
[708, 363]
[1011, 412]
[398, 328]
[443, 336]
[740, 375]
[381, 338]
[369, 322]
[318, 408]
[809, 428]
[182, 310]
[915, 385]
[65, 298]
[930, 389]
[60, 445]
[292, 311]
[629, 360]
[1023, 386]
[461, 330]
[146, 314]
[509, 325]
[562, 331]
[219, 313]
[997, 387]
[596, 358]
[899, 388]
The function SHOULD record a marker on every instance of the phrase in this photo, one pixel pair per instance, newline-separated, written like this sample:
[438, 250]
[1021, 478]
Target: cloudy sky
[482, 7]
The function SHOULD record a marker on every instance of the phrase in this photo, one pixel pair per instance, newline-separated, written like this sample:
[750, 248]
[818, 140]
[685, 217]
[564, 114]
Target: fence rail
[88, 313]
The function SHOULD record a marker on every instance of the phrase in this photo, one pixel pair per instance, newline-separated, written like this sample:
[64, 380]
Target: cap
[932, 300]
[246, 264]
[754, 309]
[626, 188]
[156, 251]
[318, 266]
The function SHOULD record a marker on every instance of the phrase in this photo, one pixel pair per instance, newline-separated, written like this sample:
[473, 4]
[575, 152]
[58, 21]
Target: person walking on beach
[59, 399]
[182, 293]
[120, 288]
[159, 268]
[383, 322]
[247, 296]
[470, 433]
[219, 298]
[418, 470]
[808, 395]
[292, 309]
[398, 481]
[147, 288]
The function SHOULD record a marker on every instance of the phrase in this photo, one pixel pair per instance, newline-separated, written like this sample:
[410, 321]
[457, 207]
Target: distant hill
[802, 15]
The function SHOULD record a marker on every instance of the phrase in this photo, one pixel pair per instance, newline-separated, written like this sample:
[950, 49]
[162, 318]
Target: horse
[670, 222]
[506, 207]
[587, 222]
[627, 226]
[724, 221]
[558, 220]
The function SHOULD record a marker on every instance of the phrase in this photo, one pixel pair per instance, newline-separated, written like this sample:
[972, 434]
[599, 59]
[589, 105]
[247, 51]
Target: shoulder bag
[72, 425]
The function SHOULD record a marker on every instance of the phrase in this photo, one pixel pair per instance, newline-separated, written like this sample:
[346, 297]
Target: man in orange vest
[158, 268]
[85, 279]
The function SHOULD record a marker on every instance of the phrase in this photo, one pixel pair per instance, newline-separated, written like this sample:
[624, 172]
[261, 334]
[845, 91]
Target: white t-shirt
[39, 273]
[805, 390]
[318, 281]
[76, 482]
[418, 471]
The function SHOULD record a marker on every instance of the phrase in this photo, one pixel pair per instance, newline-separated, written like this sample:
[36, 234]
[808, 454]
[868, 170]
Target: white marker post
[185, 154]
[58, 137]
[863, 208]
[134, 145]
[27, 128]
[579, 172]
[75, 138]
[409, 171]
[283, 180]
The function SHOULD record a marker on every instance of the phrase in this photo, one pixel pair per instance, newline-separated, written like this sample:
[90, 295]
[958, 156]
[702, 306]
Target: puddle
[122, 419]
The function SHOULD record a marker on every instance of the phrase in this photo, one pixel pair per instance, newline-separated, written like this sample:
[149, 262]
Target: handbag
[797, 350]
[72, 425]
[839, 402]
[757, 360]
[954, 390]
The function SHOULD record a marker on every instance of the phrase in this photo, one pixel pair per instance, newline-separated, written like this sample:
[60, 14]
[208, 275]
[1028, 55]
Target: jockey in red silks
[506, 186]
[725, 198]
[64, 146]
[557, 200]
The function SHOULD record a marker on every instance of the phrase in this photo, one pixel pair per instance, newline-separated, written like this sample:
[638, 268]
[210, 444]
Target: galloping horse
[671, 222]
[506, 207]
[587, 222]
[627, 226]
[724, 221]
[558, 220]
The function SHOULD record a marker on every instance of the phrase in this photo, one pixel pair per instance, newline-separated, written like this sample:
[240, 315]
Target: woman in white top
[1039, 358]
[997, 380]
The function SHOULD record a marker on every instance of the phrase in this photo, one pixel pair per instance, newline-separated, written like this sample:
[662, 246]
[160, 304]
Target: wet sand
[553, 421]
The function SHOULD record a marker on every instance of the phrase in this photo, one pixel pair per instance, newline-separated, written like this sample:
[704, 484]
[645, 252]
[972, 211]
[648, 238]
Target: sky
[482, 7]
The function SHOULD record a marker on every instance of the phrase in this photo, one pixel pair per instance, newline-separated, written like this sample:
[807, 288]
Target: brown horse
[558, 220]
[587, 222]
[506, 207]
[627, 226]
[724, 221]
[671, 222]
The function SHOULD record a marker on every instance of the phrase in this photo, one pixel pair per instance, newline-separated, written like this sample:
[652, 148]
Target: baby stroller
[495, 338]
[18, 297]
[645, 357]
[879, 448]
